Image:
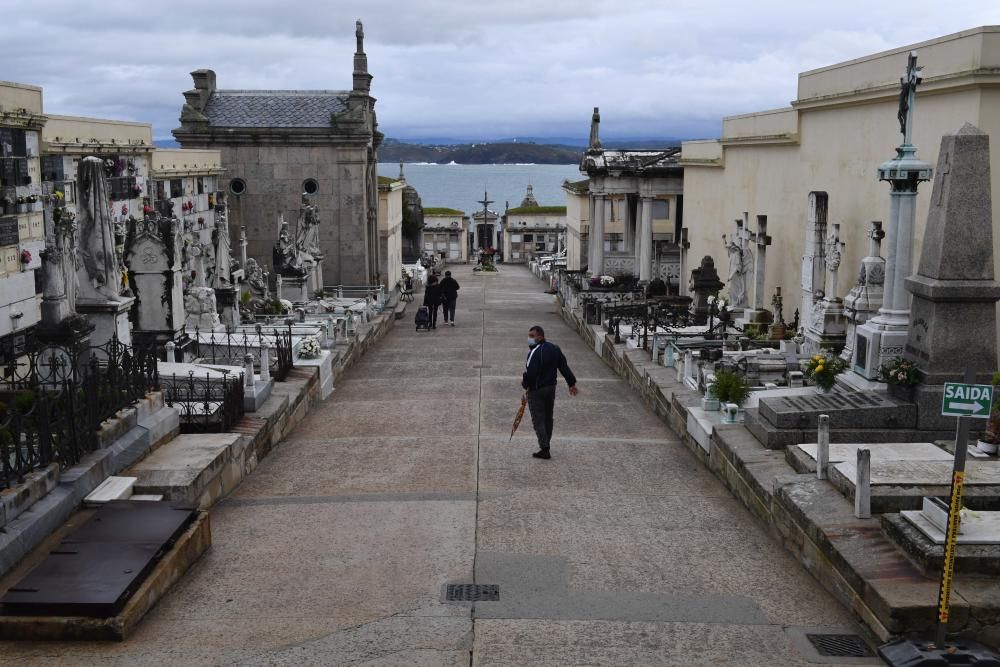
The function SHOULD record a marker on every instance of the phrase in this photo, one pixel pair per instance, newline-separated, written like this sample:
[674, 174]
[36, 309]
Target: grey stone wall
[275, 175]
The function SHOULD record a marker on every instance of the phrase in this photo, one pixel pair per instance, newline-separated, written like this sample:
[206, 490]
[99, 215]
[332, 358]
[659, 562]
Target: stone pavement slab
[621, 550]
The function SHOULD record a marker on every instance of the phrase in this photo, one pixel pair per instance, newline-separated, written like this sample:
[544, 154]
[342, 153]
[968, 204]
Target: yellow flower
[819, 369]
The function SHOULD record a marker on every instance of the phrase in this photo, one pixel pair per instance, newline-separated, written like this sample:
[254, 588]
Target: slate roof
[274, 108]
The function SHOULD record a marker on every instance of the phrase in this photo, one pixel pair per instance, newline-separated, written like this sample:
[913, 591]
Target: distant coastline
[509, 153]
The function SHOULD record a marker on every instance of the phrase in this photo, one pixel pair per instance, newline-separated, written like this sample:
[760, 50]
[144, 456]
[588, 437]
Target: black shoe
[542, 454]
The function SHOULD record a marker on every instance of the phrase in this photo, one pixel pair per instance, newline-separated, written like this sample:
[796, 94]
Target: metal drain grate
[840, 646]
[472, 593]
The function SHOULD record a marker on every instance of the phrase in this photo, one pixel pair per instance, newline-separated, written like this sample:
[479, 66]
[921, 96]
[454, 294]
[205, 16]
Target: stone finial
[359, 33]
[595, 130]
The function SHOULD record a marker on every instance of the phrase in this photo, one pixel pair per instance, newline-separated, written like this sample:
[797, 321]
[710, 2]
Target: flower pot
[986, 447]
[903, 392]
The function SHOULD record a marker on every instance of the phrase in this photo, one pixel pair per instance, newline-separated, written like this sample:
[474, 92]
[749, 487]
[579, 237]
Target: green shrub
[730, 387]
[24, 401]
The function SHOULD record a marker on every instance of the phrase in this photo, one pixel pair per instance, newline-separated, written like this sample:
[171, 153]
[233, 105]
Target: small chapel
[278, 145]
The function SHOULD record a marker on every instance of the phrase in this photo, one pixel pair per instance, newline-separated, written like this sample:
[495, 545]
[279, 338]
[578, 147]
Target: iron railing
[206, 404]
[55, 397]
[231, 348]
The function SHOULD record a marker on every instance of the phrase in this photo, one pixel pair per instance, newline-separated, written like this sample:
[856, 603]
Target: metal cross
[908, 94]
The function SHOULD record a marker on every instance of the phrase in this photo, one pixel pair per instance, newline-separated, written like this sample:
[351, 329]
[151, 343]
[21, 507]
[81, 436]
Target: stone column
[812, 258]
[637, 237]
[597, 237]
[682, 281]
[761, 240]
[645, 258]
[630, 231]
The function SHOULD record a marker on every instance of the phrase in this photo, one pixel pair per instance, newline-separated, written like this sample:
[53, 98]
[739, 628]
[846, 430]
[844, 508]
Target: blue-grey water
[461, 186]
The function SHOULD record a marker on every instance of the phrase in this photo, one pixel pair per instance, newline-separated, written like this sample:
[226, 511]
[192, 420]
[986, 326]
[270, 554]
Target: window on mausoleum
[237, 186]
[310, 186]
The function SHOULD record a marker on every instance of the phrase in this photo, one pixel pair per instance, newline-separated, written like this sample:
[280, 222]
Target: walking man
[539, 383]
[432, 299]
[449, 297]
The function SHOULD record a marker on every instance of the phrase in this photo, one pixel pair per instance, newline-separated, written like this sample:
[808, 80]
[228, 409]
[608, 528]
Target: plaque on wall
[8, 231]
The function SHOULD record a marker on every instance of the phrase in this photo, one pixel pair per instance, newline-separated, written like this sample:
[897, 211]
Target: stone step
[148, 497]
[113, 488]
[846, 410]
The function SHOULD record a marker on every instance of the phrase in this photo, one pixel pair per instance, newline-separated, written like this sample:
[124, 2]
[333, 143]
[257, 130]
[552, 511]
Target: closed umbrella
[519, 416]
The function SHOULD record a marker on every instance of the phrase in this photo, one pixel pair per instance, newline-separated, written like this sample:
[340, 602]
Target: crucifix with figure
[483, 231]
[907, 94]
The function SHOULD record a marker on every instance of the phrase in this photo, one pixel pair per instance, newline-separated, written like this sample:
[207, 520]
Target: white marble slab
[981, 529]
[113, 488]
[927, 473]
[882, 451]
[149, 497]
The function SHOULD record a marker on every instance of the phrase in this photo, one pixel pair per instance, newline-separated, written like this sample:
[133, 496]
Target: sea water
[461, 186]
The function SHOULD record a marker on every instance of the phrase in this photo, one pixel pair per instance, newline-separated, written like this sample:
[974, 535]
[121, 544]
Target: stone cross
[875, 236]
[761, 239]
[833, 256]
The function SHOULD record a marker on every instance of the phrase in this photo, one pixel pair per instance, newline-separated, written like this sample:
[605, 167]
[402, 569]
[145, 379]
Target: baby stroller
[423, 318]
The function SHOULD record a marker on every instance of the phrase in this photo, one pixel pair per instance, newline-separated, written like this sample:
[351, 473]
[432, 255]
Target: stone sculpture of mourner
[286, 255]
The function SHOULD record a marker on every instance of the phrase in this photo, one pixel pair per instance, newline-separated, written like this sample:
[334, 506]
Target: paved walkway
[621, 550]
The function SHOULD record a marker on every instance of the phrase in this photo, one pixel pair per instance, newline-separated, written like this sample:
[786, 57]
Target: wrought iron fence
[206, 404]
[53, 399]
[231, 348]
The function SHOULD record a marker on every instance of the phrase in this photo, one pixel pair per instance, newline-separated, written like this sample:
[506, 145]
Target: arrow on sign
[975, 408]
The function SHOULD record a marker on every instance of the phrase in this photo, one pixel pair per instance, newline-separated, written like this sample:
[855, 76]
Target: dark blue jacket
[542, 366]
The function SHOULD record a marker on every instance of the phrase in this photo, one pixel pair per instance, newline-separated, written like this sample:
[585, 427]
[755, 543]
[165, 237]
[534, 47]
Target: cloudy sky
[463, 69]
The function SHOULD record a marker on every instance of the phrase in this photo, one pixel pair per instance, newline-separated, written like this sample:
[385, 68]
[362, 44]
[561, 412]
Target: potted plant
[824, 369]
[902, 377]
[730, 387]
[989, 442]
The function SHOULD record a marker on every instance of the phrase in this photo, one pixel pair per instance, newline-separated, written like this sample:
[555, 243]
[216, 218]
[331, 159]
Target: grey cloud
[460, 68]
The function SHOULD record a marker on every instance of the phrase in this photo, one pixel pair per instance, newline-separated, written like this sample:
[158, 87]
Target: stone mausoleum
[278, 144]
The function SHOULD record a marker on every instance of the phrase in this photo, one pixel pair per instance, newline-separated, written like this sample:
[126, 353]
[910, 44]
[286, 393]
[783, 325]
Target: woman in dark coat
[432, 299]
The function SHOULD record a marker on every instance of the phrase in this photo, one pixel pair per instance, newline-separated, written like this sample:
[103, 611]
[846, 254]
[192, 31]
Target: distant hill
[479, 153]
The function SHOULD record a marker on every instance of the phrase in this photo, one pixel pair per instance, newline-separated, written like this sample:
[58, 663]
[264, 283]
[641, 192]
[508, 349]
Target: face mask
[532, 342]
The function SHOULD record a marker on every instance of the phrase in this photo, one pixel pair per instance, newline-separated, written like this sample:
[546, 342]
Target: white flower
[310, 348]
[711, 299]
[722, 304]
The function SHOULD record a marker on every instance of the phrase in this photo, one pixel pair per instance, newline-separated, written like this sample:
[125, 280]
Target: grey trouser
[542, 403]
[449, 309]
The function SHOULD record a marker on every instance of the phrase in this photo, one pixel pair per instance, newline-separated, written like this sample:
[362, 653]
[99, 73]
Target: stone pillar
[863, 485]
[248, 379]
[265, 361]
[954, 289]
[637, 237]
[761, 240]
[628, 221]
[823, 446]
[682, 281]
[645, 258]
[596, 263]
[813, 257]
[243, 248]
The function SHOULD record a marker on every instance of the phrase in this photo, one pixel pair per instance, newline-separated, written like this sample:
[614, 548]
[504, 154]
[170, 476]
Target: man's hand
[573, 391]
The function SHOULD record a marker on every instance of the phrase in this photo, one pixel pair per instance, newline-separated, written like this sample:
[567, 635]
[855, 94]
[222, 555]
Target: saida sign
[967, 400]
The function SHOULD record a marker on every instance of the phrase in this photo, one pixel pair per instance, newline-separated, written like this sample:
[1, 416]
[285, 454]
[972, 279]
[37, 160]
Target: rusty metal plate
[96, 568]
